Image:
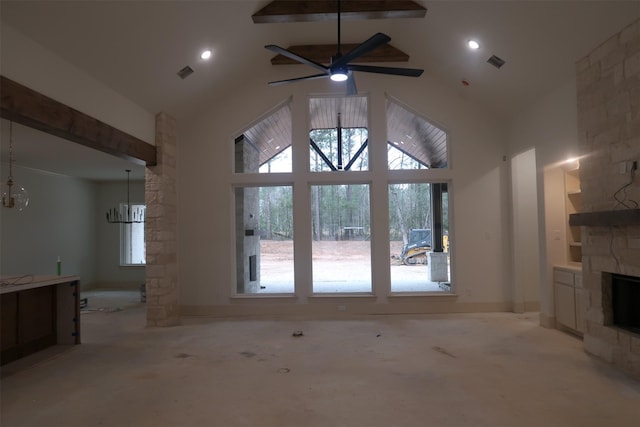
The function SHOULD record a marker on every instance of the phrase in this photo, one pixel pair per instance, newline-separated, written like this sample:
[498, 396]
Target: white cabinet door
[565, 305]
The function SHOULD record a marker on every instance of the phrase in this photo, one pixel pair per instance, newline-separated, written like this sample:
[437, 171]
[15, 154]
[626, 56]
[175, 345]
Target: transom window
[413, 141]
[266, 146]
[339, 149]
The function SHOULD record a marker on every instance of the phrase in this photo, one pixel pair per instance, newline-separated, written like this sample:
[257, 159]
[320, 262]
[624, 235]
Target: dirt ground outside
[338, 266]
[282, 250]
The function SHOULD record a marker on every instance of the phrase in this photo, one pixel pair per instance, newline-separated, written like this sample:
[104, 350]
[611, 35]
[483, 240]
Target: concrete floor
[422, 370]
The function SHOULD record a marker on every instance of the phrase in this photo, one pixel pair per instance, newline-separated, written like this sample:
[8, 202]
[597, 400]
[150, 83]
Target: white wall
[549, 126]
[478, 173]
[524, 220]
[60, 220]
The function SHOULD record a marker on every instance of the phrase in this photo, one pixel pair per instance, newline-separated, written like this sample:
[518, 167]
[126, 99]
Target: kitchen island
[38, 312]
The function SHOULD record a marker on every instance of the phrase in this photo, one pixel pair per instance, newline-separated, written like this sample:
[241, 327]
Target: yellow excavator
[419, 243]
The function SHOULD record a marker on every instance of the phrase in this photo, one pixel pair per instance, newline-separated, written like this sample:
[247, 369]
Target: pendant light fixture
[129, 216]
[13, 195]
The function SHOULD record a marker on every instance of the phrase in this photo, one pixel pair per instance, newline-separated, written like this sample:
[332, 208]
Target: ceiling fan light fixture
[339, 75]
[340, 68]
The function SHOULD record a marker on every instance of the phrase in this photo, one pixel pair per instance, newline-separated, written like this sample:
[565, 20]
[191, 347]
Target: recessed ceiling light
[206, 54]
[473, 44]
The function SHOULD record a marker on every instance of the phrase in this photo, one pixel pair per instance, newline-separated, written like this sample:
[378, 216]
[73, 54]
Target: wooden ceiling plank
[283, 11]
[30, 108]
[323, 53]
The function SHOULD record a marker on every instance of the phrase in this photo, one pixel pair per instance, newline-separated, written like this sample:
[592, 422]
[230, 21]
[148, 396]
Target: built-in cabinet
[568, 294]
[564, 246]
[573, 204]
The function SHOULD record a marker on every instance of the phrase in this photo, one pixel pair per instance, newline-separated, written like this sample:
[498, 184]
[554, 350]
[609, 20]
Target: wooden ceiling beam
[323, 53]
[281, 11]
[30, 108]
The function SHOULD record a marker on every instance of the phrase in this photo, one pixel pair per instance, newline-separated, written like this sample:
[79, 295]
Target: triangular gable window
[266, 146]
[413, 142]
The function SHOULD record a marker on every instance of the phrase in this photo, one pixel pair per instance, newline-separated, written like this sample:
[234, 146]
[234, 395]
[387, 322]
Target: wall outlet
[622, 168]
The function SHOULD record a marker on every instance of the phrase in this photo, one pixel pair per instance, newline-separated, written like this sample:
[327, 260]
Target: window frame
[378, 176]
[126, 232]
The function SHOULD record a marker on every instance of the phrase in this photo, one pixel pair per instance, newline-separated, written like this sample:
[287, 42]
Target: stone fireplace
[608, 89]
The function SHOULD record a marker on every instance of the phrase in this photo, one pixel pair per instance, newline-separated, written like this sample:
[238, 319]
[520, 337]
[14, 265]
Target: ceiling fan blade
[408, 72]
[297, 79]
[284, 52]
[367, 46]
[351, 84]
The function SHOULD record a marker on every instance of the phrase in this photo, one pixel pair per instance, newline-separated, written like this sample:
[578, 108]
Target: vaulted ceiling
[137, 47]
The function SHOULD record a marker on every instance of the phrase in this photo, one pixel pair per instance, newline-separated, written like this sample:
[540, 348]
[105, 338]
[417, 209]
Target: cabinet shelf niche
[573, 204]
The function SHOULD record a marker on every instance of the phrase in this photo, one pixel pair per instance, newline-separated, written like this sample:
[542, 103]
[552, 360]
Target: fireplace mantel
[606, 218]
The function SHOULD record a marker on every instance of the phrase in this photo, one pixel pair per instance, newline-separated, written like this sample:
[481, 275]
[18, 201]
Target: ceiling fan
[340, 68]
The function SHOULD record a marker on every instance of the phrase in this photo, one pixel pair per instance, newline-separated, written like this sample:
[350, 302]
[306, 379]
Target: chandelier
[13, 195]
[126, 215]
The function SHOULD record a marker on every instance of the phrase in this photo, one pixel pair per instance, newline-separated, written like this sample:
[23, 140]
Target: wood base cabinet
[43, 312]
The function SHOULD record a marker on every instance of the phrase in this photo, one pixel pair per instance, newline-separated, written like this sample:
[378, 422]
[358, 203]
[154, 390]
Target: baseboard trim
[343, 308]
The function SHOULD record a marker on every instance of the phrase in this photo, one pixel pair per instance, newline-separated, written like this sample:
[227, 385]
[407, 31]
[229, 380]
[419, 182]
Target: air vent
[495, 61]
[185, 72]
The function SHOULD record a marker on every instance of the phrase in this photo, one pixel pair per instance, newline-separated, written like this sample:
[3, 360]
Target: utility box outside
[438, 270]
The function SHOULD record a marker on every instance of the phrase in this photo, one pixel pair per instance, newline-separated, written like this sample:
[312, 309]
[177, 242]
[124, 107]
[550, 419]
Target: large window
[419, 237]
[264, 239]
[341, 238]
[132, 246]
[342, 200]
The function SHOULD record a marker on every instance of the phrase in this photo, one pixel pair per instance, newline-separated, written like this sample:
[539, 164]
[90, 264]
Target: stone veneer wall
[608, 88]
[160, 229]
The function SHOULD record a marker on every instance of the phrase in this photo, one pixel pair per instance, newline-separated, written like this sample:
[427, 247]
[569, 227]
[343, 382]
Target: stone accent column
[160, 229]
[608, 88]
